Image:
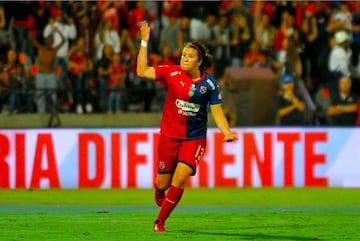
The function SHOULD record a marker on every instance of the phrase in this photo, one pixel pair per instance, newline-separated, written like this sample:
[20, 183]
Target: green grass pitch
[203, 214]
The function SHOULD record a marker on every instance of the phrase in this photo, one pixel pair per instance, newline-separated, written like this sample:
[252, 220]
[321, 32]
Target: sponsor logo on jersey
[186, 113]
[174, 73]
[203, 89]
[187, 106]
[212, 85]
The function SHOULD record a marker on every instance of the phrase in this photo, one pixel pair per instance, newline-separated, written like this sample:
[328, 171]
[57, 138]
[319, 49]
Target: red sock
[171, 200]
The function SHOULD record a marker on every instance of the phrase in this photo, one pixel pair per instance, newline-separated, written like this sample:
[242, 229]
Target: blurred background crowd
[316, 42]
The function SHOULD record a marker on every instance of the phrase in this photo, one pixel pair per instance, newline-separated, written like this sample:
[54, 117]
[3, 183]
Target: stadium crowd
[317, 42]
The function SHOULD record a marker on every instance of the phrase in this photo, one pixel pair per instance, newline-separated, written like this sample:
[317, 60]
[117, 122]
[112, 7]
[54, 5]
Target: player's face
[190, 59]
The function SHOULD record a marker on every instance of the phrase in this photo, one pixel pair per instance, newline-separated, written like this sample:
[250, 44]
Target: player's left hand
[145, 31]
[230, 137]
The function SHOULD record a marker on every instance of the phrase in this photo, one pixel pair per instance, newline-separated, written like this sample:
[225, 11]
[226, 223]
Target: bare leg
[162, 183]
[176, 190]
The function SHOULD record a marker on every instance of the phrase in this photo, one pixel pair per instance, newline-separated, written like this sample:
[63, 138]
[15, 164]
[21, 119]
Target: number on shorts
[199, 153]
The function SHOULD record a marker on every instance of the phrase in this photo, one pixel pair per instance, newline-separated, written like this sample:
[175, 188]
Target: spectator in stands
[128, 51]
[255, 58]
[339, 61]
[106, 35]
[136, 16]
[79, 9]
[68, 29]
[288, 60]
[166, 57]
[184, 32]
[286, 30]
[103, 70]
[8, 95]
[109, 10]
[207, 35]
[21, 98]
[153, 8]
[221, 46]
[322, 101]
[297, 32]
[290, 107]
[323, 61]
[87, 32]
[128, 56]
[4, 87]
[11, 62]
[116, 84]
[308, 35]
[321, 11]
[343, 108]
[169, 36]
[233, 8]
[267, 35]
[356, 24]
[341, 19]
[4, 34]
[170, 8]
[20, 18]
[45, 80]
[80, 73]
[264, 30]
[293, 65]
[240, 39]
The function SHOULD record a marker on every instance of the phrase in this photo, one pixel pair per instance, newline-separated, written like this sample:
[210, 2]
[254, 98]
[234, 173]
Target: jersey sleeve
[215, 96]
[161, 73]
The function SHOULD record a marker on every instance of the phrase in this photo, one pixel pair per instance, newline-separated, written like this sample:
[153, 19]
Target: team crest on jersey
[162, 165]
[192, 90]
[203, 89]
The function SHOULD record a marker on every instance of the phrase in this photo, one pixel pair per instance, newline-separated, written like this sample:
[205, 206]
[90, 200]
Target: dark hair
[204, 54]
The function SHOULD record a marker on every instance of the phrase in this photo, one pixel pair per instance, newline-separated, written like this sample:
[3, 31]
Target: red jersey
[137, 16]
[186, 104]
[116, 69]
[171, 8]
[256, 58]
[79, 60]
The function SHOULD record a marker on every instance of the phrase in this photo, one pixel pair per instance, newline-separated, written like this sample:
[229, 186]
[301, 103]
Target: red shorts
[172, 151]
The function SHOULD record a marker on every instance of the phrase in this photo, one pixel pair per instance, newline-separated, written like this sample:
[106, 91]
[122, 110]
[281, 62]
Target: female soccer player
[182, 142]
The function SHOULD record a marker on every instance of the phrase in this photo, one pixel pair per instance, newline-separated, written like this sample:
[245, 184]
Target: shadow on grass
[257, 236]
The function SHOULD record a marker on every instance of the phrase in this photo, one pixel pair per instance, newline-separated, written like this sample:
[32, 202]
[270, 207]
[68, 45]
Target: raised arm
[222, 123]
[2, 18]
[34, 42]
[57, 47]
[142, 68]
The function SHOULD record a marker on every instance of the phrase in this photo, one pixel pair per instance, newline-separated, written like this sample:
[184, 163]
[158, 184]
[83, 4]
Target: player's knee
[180, 182]
[162, 182]
[162, 185]
[181, 175]
[180, 179]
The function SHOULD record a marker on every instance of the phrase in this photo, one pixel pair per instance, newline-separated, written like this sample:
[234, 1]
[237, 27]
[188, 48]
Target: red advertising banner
[127, 158]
